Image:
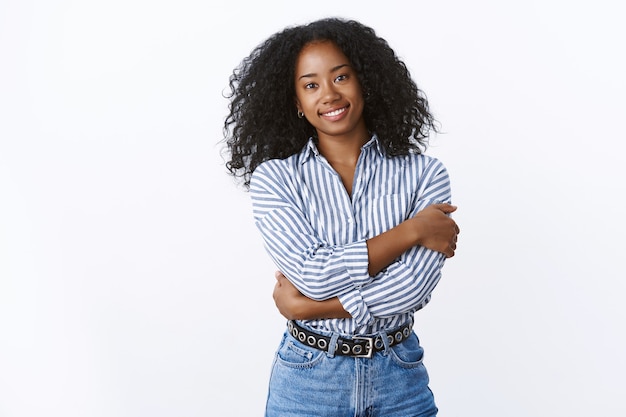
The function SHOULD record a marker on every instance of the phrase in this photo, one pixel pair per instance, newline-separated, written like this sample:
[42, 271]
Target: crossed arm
[431, 227]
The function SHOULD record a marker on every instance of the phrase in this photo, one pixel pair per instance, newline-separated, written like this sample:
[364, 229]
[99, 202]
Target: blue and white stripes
[316, 233]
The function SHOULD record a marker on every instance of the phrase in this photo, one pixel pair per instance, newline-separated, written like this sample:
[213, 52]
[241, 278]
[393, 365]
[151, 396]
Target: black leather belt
[356, 346]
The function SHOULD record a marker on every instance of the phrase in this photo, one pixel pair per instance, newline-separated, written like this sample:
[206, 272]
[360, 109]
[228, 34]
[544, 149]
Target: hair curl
[262, 123]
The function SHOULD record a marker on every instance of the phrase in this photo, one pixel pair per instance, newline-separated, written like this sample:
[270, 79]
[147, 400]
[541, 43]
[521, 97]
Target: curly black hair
[263, 124]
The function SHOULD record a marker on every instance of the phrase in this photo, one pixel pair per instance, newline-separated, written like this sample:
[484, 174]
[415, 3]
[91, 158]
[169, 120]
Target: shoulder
[421, 162]
[275, 168]
[275, 176]
[282, 169]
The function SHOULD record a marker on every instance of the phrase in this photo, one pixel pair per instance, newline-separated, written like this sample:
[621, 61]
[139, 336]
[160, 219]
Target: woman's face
[328, 91]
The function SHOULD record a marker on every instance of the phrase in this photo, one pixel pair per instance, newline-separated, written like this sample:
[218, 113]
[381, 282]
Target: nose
[330, 93]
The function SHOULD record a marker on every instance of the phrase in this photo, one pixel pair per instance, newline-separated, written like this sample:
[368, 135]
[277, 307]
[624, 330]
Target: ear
[297, 103]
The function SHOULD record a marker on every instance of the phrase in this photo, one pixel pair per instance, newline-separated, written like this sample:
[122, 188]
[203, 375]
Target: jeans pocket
[294, 354]
[408, 354]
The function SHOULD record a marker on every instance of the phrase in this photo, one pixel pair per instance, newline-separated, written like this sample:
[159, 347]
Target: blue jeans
[306, 382]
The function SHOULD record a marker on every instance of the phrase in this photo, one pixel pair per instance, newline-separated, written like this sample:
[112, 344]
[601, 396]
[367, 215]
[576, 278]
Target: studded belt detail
[356, 346]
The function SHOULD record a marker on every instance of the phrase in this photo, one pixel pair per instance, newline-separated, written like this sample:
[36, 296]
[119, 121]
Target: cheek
[306, 104]
[358, 95]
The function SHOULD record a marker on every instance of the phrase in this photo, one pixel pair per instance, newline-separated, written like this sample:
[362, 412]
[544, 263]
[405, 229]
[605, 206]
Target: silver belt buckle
[369, 347]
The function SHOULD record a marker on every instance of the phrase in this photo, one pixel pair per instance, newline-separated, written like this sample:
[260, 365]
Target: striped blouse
[315, 232]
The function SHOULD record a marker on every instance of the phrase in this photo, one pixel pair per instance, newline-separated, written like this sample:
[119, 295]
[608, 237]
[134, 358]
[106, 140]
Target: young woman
[327, 130]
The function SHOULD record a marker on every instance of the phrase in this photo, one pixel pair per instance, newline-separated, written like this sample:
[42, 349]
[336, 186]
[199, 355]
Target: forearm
[307, 309]
[406, 285]
[385, 248]
[431, 228]
[293, 305]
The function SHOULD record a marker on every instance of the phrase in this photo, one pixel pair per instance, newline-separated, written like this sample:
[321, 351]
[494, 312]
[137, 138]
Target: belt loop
[383, 336]
[333, 345]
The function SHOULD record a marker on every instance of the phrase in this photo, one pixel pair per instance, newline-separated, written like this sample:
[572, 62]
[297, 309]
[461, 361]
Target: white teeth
[335, 113]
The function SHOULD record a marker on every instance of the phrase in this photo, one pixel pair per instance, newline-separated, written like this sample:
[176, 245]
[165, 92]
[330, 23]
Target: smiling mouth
[335, 112]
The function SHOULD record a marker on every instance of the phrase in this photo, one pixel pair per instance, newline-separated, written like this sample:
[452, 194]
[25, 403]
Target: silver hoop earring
[300, 114]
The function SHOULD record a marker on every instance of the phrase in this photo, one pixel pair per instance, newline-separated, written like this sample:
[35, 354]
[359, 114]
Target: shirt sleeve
[319, 270]
[407, 283]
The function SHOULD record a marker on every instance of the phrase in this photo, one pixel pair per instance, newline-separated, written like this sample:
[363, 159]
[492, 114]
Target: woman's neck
[343, 150]
[342, 153]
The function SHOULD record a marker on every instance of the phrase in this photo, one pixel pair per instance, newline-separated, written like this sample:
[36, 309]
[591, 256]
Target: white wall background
[133, 282]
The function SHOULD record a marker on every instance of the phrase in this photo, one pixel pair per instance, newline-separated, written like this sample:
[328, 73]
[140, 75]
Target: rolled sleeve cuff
[353, 303]
[356, 262]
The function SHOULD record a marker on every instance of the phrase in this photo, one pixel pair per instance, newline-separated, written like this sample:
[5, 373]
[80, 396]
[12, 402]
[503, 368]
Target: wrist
[413, 230]
[301, 308]
[304, 308]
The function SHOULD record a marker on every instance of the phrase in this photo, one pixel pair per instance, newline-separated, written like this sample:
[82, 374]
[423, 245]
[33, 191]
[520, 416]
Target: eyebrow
[333, 69]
